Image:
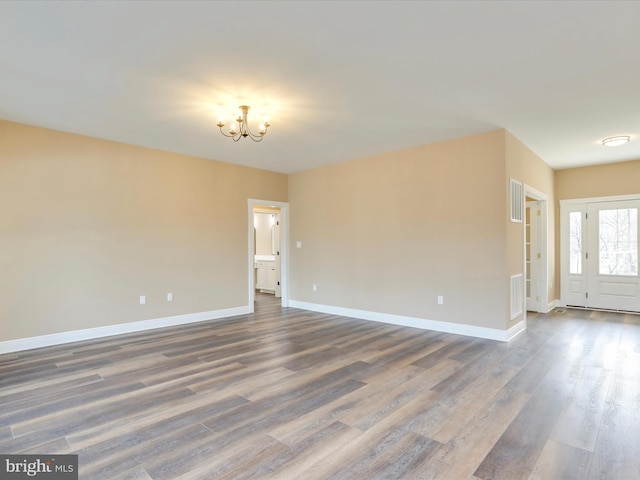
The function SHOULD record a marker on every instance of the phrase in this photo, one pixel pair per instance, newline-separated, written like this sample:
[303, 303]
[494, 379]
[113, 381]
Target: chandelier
[240, 128]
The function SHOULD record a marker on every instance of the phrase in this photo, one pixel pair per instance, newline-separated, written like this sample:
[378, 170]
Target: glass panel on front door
[618, 242]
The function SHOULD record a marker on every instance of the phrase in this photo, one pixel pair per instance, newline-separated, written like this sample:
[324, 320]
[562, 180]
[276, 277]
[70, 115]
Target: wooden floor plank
[304, 459]
[617, 452]
[461, 455]
[454, 414]
[580, 418]
[561, 461]
[517, 450]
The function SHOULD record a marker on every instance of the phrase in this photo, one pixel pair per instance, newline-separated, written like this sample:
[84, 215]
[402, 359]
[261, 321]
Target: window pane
[575, 243]
[618, 238]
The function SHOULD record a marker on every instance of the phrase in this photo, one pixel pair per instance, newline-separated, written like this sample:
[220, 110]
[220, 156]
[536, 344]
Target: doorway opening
[268, 249]
[266, 242]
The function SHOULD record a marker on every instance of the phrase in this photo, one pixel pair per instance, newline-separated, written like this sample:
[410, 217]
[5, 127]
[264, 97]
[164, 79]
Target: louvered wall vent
[516, 200]
[517, 295]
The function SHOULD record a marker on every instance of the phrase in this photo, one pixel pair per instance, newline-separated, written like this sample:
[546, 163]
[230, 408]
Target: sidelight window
[575, 243]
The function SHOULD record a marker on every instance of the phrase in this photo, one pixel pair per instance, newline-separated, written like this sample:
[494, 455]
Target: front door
[612, 255]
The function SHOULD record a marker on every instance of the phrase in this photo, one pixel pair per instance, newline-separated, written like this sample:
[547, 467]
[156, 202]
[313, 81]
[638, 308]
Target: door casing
[533, 257]
[542, 285]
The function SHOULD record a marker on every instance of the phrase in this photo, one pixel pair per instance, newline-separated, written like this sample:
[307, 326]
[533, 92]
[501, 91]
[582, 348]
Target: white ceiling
[339, 80]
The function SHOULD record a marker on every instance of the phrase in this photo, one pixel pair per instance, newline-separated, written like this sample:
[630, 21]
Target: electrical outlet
[314, 287]
[143, 299]
[298, 244]
[440, 299]
[169, 297]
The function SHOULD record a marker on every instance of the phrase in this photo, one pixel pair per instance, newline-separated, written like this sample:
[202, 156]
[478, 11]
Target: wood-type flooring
[290, 394]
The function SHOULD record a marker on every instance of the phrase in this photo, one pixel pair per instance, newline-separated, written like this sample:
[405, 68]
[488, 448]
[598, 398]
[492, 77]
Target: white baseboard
[553, 304]
[438, 326]
[516, 330]
[109, 330]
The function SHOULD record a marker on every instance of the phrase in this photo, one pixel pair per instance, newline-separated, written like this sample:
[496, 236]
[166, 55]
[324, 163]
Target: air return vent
[516, 200]
[517, 295]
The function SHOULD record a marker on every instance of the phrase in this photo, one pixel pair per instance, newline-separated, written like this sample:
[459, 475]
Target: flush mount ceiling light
[240, 127]
[615, 141]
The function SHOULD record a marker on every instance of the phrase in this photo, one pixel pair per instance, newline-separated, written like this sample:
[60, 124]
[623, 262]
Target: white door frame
[532, 272]
[284, 248]
[543, 235]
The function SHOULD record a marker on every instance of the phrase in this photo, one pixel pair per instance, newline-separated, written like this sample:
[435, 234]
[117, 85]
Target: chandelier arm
[245, 131]
[254, 137]
[239, 135]
[229, 136]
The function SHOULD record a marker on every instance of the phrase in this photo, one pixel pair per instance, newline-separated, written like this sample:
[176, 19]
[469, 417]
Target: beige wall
[390, 233]
[525, 166]
[611, 179]
[88, 225]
